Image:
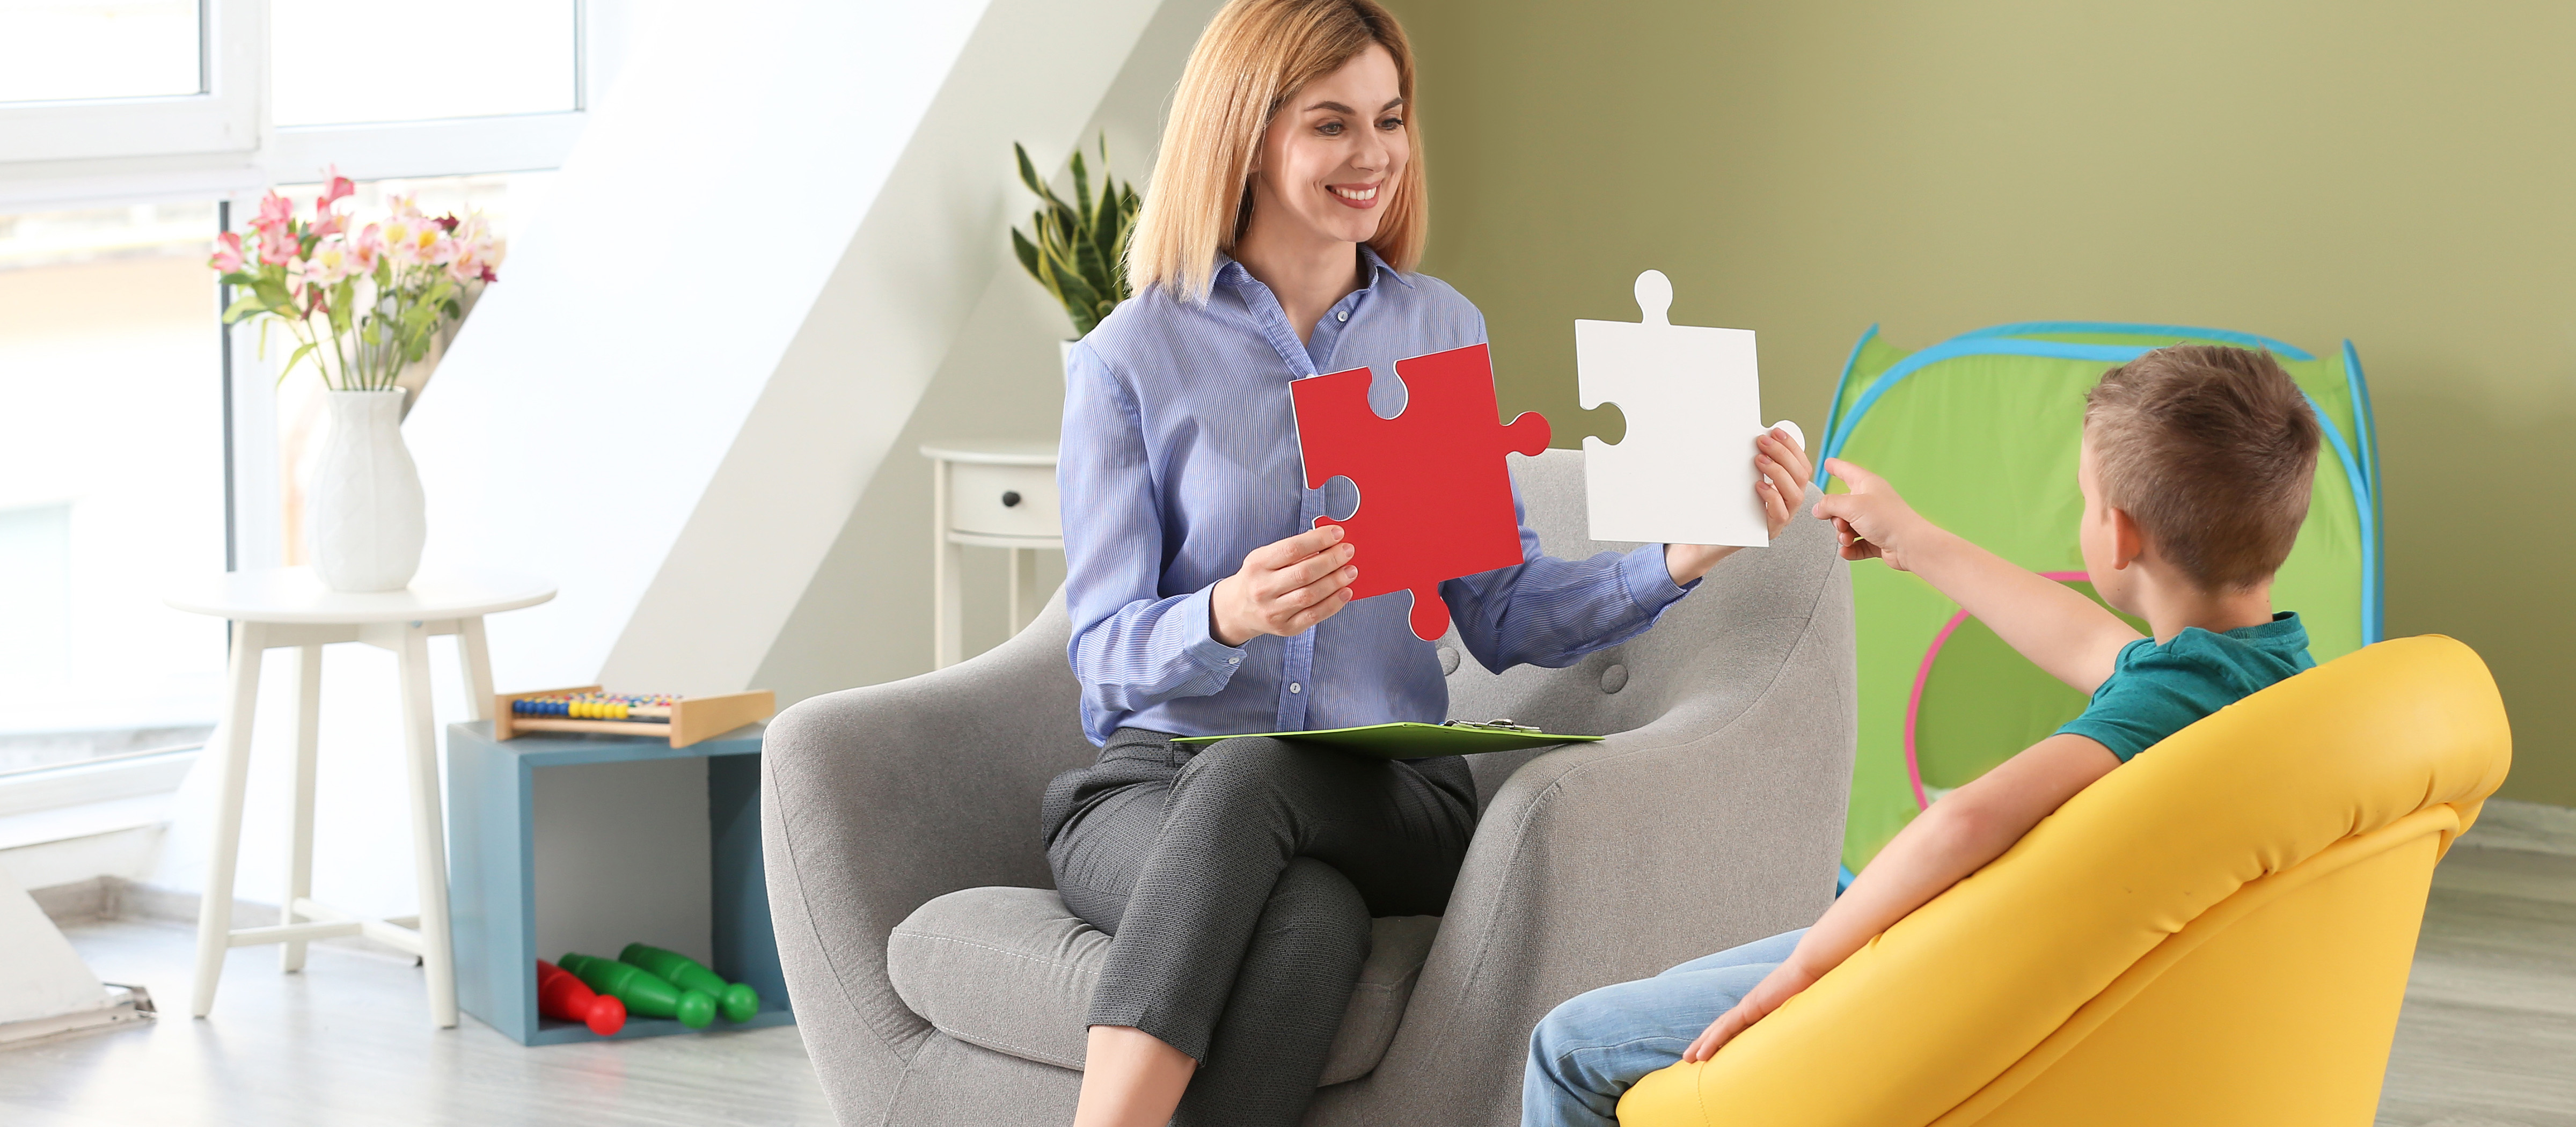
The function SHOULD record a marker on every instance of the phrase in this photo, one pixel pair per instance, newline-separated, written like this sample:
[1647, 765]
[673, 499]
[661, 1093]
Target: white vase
[367, 520]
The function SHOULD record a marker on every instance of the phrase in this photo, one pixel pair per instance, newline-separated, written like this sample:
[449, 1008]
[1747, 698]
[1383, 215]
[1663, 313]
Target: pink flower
[329, 262]
[228, 252]
[328, 223]
[410, 239]
[277, 246]
[274, 211]
[335, 188]
[367, 246]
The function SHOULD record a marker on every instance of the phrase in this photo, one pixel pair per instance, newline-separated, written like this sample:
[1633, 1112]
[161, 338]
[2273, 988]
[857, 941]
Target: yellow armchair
[2216, 933]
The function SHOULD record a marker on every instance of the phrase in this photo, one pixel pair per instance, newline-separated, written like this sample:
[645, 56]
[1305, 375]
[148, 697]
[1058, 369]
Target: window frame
[222, 143]
[223, 116]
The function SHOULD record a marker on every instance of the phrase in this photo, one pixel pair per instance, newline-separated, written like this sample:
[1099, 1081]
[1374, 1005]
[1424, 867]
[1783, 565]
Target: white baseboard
[2531, 827]
[116, 898]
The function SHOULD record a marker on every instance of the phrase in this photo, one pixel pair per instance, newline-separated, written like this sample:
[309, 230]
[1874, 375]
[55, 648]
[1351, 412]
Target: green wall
[2402, 174]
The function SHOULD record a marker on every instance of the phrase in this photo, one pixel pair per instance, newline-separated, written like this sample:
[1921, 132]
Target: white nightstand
[991, 494]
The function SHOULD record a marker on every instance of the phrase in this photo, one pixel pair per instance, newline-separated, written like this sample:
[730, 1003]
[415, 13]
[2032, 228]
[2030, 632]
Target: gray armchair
[938, 980]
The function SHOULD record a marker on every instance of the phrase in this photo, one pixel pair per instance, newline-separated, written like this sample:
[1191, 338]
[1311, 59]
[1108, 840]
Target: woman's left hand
[1781, 469]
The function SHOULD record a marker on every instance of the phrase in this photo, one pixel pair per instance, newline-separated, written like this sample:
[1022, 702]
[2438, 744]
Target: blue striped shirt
[1180, 457]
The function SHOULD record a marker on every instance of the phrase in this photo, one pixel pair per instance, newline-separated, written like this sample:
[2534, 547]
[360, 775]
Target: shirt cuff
[1200, 643]
[1649, 583]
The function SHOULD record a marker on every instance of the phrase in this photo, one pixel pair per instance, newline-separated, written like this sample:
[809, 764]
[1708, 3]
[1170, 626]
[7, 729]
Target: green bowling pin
[738, 1000]
[643, 992]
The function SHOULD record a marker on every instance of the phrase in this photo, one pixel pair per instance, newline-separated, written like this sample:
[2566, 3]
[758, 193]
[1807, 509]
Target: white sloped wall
[703, 348]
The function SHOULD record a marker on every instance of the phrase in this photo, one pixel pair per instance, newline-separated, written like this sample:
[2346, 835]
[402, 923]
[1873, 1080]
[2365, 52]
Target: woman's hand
[1783, 983]
[1285, 588]
[1780, 482]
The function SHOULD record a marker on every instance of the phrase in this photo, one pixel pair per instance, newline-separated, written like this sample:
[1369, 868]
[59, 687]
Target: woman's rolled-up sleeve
[1549, 612]
[1132, 646]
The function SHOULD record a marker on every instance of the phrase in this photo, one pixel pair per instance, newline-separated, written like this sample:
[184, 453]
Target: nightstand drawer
[1003, 500]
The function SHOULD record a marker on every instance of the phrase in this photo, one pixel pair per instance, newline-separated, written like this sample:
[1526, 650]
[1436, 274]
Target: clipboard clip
[1498, 724]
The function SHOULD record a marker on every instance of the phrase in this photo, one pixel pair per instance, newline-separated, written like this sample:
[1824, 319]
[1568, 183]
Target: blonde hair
[1254, 56]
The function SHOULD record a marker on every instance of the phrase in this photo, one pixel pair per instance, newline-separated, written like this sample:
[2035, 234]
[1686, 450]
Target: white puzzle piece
[1683, 474]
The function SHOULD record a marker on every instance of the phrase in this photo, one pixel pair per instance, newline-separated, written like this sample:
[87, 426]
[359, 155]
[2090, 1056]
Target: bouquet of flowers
[362, 302]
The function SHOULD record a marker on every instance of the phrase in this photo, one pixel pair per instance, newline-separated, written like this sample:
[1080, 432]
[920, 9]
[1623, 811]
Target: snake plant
[1079, 250]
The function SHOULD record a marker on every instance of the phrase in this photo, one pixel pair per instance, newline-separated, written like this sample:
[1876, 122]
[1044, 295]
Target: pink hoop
[1923, 675]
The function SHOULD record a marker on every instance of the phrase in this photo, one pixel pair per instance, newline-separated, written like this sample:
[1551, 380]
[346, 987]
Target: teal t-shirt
[2155, 690]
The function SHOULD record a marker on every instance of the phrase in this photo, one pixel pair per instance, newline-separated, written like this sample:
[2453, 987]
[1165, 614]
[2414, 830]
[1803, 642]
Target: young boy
[2195, 471]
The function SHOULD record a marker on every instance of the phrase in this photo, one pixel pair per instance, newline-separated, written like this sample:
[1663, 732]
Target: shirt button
[1234, 661]
[1294, 687]
[1342, 315]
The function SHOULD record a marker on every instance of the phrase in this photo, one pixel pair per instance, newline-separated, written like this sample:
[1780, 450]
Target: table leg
[299, 850]
[476, 653]
[1024, 588]
[232, 766]
[947, 568]
[428, 838]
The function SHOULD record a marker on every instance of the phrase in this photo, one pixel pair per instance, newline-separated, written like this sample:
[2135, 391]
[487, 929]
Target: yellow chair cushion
[2218, 931]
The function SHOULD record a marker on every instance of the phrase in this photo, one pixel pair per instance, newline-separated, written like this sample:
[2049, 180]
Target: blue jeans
[1586, 1053]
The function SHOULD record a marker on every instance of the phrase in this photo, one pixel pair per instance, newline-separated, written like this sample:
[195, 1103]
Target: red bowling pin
[564, 997]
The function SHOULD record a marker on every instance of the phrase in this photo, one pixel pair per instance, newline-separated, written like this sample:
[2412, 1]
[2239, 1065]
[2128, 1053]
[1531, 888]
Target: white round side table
[289, 607]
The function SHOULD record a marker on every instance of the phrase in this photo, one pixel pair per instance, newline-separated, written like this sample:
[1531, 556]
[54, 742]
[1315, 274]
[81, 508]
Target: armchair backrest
[1639, 682]
[2217, 932]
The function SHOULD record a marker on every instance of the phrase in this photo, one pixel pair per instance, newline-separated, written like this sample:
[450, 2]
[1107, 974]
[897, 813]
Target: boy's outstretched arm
[1957, 836]
[2068, 635]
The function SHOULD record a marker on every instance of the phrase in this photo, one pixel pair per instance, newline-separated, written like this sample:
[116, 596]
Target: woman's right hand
[1285, 588]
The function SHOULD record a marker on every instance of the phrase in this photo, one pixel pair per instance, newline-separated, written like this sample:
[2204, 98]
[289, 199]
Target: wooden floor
[2488, 1038]
[347, 1043]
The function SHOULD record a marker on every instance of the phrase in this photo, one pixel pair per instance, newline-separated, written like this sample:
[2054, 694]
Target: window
[328, 63]
[126, 127]
[111, 459]
[85, 50]
[136, 99]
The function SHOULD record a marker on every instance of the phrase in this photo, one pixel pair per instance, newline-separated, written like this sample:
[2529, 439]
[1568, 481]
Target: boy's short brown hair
[2211, 450]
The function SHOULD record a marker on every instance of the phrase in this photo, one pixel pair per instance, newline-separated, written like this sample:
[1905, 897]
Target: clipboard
[1411, 740]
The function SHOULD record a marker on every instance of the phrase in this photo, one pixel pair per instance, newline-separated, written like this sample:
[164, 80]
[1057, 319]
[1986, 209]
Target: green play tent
[1980, 434]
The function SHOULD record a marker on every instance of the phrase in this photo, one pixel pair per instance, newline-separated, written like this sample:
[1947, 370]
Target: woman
[1286, 213]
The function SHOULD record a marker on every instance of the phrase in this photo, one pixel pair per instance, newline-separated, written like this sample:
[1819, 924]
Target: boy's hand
[1871, 520]
[1783, 983]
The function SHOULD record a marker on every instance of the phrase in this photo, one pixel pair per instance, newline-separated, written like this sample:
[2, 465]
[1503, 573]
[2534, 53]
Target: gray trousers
[1238, 883]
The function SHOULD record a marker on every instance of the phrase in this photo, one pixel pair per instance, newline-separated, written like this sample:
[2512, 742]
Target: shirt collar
[1232, 273]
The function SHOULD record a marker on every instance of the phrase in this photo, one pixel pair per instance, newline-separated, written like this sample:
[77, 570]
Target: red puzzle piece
[1435, 498]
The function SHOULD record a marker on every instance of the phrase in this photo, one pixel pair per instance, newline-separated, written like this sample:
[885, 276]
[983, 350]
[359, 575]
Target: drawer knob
[1010, 498]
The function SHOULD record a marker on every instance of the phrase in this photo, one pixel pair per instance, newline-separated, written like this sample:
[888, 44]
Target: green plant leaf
[1104, 233]
[1028, 254]
[1029, 172]
[1081, 190]
[1078, 292]
[1029, 177]
[300, 350]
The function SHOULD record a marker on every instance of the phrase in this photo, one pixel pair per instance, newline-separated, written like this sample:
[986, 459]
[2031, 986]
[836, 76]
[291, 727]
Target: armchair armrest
[875, 800]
